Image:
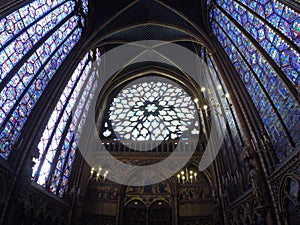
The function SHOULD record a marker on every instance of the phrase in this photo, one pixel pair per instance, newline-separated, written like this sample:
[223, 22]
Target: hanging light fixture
[96, 174]
[187, 176]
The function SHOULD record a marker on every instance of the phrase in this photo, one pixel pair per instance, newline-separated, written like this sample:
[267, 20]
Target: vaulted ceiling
[182, 22]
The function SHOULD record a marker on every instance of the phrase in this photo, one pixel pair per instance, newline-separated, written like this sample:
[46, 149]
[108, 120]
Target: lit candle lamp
[178, 177]
[92, 171]
[205, 109]
[100, 169]
[105, 175]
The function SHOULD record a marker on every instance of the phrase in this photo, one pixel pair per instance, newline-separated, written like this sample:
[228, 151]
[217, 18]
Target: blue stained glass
[85, 6]
[261, 34]
[289, 14]
[285, 27]
[285, 58]
[10, 26]
[274, 20]
[59, 180]
[24, 42]
[268, 9]
[296, 28]
[26, 76]
[257, 95]
[260, 9]
[253, 4]
[208, 2]
[31, 67]
[279, 15]
[270, 34]
[59, 57]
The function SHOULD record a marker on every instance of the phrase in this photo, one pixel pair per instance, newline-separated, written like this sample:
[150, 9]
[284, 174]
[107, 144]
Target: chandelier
[186, 176]
[96, 174]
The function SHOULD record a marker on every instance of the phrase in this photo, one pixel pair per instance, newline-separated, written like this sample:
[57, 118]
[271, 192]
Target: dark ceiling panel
[191, 9]
[148, 32]
[104, 10]
[166, 20]
[141, 12]
[187, 44]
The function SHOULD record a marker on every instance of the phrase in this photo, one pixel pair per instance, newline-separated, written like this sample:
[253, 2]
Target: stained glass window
[208, 3]
[85, 9]
[277, 47]
[18, 44]
[267, 90]
[151, 110]
[85, 6]
[35, 40]
[59, 140]
[279, 15]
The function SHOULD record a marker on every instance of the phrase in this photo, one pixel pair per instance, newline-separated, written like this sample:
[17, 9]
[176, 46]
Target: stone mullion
[248, 124]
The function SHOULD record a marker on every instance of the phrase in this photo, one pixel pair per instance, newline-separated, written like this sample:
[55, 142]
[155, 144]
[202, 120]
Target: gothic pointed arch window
[35, 40]
[60, 137]
[261, 39]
